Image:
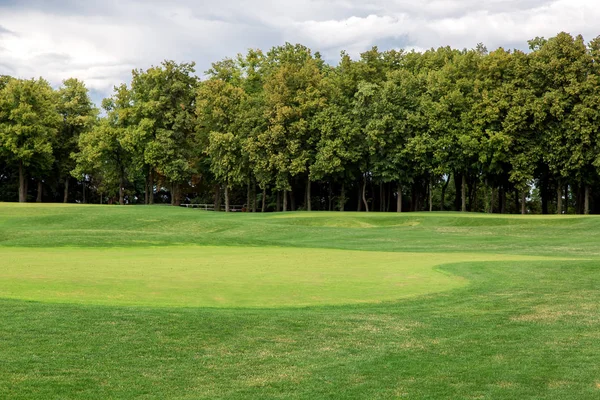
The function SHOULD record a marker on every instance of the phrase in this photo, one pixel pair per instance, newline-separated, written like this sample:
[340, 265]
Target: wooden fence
[211, 207]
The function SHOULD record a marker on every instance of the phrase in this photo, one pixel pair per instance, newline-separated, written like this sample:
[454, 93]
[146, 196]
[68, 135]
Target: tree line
[445, 129]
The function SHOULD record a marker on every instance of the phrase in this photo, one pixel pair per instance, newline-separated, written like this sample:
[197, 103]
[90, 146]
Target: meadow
[154, 302]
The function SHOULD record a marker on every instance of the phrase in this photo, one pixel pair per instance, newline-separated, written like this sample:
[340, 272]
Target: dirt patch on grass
[584, 313]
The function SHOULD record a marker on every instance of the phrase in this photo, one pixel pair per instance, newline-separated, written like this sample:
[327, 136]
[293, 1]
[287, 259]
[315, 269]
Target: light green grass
[226, 277]
[100, 302]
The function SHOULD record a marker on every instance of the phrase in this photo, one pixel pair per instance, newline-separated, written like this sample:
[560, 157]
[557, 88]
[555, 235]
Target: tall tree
[78, 116]
[28, 125]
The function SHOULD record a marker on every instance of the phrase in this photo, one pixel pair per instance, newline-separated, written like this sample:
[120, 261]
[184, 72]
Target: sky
[101, 41]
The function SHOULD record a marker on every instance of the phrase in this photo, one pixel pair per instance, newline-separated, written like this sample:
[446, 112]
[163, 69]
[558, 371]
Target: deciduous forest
[467, 130]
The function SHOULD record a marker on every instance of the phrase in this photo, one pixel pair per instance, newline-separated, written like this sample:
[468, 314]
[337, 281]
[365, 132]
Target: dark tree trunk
[457, 187]
[248, 196]
[308, 195]
[122, 191]
[66, 194]
[399, 199]
[516, 201]
[151, 187]
[523, 202]
[217, 197]
[40, 188]
[264, 200]
[586, 201]
[502, 196]
[486, 196]
[176, 194]
[430, 189]
[254, 197]
[463, 188]
[492, 199]
[330, 197]
[381, 198]
[22, 184]
[84, 200]
[226, 197]
[559, 200]
[147, 189]
[364, 193]
[342, 197]
[285, 200]
[566, 199]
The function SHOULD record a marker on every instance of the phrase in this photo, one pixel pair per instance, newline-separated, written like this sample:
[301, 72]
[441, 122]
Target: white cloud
[101, 42]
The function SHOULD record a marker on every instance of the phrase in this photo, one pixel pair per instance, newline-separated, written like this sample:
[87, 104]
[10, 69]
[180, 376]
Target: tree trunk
[399, 199]
[381, 198]
[430, 195]
[364, 193]
[457, 190]
[254, 196]
[486, 197]
[22, 184]
[586, 201]
[492, 199]
[330, 197]
[502, 196]
[264, 200]
[523, 202]
[147, 189]
[84, 200]
[66, 194]
[463, 189]
[226, 197]
[342, 202]
[308, 196]
[566, 199]
[40, 189]
[559, 200]
[121, 192]
[248, 196]
[151, 187]
[285, 200]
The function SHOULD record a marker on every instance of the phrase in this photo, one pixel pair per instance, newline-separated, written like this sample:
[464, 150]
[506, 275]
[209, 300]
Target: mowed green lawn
[100, 302]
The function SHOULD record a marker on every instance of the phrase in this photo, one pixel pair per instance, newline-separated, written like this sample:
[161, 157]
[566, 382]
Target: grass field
[100, 302]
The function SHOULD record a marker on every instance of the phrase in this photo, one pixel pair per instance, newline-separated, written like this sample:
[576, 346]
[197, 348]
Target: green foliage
[492, 122]
[28, 122]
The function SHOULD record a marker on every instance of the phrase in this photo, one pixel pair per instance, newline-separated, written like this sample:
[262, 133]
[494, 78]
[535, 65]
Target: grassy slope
[519, 330]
